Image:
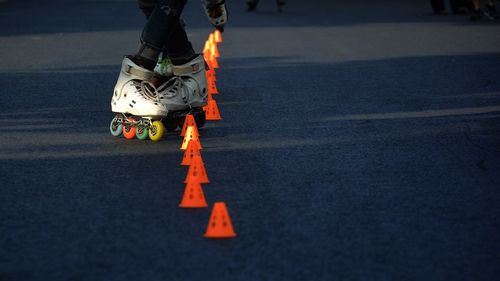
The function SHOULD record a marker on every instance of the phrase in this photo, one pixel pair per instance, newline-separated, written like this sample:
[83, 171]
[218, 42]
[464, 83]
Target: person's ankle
[143, 62]
[183, 59]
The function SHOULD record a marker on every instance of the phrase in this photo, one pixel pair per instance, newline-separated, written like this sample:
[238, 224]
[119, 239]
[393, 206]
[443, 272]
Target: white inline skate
[139, 110]
[184, 93]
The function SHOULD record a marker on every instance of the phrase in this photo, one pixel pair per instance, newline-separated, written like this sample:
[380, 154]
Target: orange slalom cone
[219, 225]
[191, 134]
[193, 196]
[189, 121]
[206, 47]
[208, 60]
[211, 39]
[210, 75]
[213, 61]
[212, 88]
[217, 36]
[210, 82]
[192, 150]
[197, 172]
[211, 72]
[214, 50]
[212, 111]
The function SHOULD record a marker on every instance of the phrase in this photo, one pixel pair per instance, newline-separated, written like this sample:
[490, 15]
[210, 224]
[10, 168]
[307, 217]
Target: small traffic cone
[192, 150]
[213, 61]
[189, 121]
[219, 225]
[206, 47]
[211, 74]
[193, 196]
[217, 36]
[214, 50]
[208, 60]
[211, 82]
[211, 39]
[191, 134]
[212, 111]
[197, 172]
[212, 88]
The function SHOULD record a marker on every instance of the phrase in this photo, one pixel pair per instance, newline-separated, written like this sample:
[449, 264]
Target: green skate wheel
[141, 132]
[115, 127]
[156, 131]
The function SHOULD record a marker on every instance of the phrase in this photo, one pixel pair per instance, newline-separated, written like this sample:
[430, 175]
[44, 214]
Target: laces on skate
[177, 85]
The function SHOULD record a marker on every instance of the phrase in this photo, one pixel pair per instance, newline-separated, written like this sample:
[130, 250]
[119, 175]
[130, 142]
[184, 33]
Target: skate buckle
[178, 71]
[142, 74]
[127, 69]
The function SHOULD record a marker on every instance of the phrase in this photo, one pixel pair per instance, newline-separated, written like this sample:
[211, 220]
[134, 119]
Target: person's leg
[162, 23]
[177, 46]
[182, 85]
[174, 53]
[147, 7]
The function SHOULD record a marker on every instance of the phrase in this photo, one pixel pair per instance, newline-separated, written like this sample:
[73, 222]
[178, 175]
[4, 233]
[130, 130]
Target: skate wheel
[129, 129]
[200, 119]
[156, 131]
[141, 132]
[171, 124]
[115, 127]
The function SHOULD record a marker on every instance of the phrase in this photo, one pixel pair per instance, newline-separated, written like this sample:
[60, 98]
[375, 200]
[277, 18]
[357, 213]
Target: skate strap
[144, 75]
[183, 70]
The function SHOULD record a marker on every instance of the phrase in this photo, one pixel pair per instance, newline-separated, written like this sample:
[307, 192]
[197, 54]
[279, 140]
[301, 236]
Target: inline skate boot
[185, 92]
[137, 106]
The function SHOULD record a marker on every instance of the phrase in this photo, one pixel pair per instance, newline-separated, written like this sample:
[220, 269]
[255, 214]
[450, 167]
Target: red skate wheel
[129, 128]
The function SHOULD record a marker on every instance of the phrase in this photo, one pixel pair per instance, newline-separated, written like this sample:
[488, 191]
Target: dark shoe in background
[491, 12]
[461, 6]
[251, 6]
[280, 4]
[438, 7]
[476, 15]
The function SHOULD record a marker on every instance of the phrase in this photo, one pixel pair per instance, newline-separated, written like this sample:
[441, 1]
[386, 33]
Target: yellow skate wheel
[156, 131]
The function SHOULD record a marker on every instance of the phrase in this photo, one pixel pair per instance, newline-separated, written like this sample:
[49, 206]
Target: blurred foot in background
[252, 5]
[438, 7]
[489, 12]
[456, 6]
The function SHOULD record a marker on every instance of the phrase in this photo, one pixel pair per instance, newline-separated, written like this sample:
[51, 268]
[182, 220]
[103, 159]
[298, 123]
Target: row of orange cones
[210, 54]
[219, 225]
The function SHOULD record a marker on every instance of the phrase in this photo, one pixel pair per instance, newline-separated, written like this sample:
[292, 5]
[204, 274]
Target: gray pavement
[360, 141]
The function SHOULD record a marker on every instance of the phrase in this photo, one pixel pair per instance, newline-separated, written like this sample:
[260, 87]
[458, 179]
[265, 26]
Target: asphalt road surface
[360, 140]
